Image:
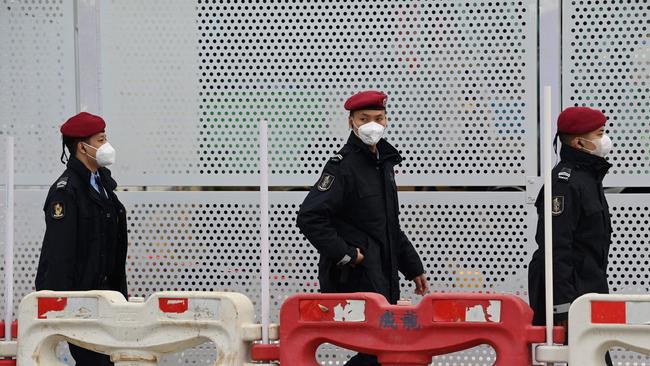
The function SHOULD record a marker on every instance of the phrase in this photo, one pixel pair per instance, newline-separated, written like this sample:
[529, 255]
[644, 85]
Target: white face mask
[370, 133]
[105, 155]
[603, 146]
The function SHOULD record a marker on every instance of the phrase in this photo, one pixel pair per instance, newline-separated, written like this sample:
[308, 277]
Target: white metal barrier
[136, 332]
[599, 322]
[8, 348]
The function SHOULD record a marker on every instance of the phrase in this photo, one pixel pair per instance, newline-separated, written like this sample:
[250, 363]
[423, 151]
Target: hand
[359, 259]
[421, 285]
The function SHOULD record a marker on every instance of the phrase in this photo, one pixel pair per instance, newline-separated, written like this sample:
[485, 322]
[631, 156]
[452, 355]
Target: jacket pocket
[353, 236]
[359, 278]
[373, 266]
[349, 279]
[90, 222]
[368, 190]
[356, 279]
[594, 225]
[592, 207]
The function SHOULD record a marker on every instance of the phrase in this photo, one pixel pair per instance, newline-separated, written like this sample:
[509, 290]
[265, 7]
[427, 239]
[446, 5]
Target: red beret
[369, 99]
[83, 125]
[579, 120]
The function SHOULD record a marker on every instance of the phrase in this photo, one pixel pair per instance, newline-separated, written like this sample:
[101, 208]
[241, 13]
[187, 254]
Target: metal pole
[264, 228]
[77, 84]
[548, 219]
[9, 238]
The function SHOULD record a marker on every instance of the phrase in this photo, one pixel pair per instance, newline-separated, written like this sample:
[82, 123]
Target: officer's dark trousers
[84, 357]
[363, 360]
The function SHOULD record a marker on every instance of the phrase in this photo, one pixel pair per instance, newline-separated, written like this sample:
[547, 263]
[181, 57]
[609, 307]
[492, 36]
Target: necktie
[102, 191]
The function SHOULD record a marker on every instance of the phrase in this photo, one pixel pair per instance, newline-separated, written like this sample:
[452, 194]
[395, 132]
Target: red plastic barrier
[14, 335]
[404, 335]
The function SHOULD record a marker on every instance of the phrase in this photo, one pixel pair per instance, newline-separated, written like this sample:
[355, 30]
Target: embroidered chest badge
[58, 210]
[557, 205]
[325, 182]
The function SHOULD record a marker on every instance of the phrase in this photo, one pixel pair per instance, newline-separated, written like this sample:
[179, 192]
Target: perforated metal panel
[181, 236]
[183, 241]
[469, 242]
[29, 228]
[629, 265]
[38, 83]
[606, 65]
[149, 89]
[185, 87]
[629, 256]
[193, 241]
[209, 241]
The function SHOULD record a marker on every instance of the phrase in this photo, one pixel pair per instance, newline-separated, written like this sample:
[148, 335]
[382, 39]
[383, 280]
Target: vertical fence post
[264, 229]
[9, 238]
[547, 148]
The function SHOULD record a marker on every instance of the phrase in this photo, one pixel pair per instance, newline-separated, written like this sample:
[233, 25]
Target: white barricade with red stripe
[136, 332]
[598, 322]
[8, 349]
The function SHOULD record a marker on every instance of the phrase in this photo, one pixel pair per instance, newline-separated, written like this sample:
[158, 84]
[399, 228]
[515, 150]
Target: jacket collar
[79, 168]
[84, 173]
[387, 152]
[597, 165]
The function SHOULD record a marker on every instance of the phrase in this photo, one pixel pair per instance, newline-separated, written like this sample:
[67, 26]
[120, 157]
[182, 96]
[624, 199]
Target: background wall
[183, 86]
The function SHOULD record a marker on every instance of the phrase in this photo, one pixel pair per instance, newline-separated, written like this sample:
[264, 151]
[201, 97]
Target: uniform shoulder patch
[325, 182]
[339, 156]
[564, 174]
[557, 205]
[336, 158]
[57, 210]
[62, 183]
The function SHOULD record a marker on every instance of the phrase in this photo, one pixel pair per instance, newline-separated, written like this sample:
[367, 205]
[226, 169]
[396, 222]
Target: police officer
[351, 213]
[581, 220]
[85, 241]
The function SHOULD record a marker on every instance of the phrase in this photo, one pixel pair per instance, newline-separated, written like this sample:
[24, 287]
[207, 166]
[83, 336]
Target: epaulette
[564, 174]
[340, 155]
[62, 183]
[337, 158]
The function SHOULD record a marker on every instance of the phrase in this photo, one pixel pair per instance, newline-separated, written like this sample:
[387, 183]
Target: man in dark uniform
[85, 241]
[581, 221]
[351, 215]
